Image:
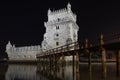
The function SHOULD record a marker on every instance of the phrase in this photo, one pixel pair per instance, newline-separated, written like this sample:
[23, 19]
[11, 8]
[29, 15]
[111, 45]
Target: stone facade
[22, 53]
[61, 29]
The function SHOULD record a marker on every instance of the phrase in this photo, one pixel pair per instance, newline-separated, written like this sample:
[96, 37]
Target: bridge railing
[61, 49]
[102, 40]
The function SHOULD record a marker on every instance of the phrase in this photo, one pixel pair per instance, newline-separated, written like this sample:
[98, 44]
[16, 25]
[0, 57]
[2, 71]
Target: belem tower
[61, 29]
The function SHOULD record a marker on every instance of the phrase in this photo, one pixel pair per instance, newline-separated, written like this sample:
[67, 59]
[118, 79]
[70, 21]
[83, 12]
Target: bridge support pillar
[73, 64]
[104, 67]
[89, 63]
[118, 63]
[77, 62]
[63, 62]
[77, 66]
[90, 75]
[54, 61]
[50, 62]
[63, 72]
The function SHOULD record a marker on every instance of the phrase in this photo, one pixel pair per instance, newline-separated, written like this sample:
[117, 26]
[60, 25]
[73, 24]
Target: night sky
[23, 22]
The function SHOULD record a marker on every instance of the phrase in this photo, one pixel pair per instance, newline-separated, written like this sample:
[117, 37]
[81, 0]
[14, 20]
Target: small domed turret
[69, 6]
[49, 11]
[8, 46]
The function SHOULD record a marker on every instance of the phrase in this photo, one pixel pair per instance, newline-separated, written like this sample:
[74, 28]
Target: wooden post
[63, 72]
[118, 63]
[63, 57]
[103, 60]
[63, 60]
[73, 66]
[104, 67]
[89, 53]
[54, 60]
[77, 61]
[50, 57]
[77, 66]
[90, 75]
[86, 43]
[89, 63]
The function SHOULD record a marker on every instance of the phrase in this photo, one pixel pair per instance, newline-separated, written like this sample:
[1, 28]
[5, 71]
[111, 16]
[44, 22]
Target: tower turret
[8, 46]
[49, 11]
[61, 28]
[69, 7]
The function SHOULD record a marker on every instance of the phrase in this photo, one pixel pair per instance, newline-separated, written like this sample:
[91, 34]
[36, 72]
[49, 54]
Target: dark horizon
[22, 23]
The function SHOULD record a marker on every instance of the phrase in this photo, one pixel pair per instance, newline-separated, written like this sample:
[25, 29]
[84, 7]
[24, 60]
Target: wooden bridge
[102, 45]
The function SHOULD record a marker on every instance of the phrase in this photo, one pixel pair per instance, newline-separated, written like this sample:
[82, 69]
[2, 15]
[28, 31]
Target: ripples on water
[58, 72]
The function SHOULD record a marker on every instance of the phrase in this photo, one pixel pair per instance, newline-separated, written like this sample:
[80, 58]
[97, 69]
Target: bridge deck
[111, 43]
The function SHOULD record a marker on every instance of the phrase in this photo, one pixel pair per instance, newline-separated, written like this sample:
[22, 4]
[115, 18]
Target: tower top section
[9, 43]
[69, 6]
[61, 13]
[8, 46]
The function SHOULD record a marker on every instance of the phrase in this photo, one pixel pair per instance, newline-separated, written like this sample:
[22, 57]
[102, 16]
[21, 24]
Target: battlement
[64, 10]
[50, 23]
[61, 13]
[57, 11]
[27, 48]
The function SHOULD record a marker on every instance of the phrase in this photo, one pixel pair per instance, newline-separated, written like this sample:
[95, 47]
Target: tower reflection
[3, 70]
[22, 72]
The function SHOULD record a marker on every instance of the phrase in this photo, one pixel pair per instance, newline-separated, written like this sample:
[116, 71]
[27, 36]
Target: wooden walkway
[103, 45]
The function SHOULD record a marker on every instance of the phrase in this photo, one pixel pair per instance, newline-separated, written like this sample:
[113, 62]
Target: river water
[58, 72]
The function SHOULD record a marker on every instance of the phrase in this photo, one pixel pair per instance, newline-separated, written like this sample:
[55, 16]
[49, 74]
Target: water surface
[56, 72]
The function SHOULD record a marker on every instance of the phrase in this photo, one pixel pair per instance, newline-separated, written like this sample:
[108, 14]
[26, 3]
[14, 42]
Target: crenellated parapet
[56, 22]
[22, 53]
[61, 13]
[64, 10]
[57, 11]
[26, 48]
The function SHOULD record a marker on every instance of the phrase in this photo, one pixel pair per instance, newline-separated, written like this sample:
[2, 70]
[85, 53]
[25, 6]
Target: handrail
[74, 45]
[66, 48]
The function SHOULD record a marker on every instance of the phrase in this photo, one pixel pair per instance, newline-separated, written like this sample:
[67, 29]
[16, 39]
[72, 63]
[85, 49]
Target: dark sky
[23, 22]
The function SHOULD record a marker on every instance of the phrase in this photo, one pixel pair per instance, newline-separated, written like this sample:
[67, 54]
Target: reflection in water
[97, 74]
[22, 72]
[3, 69]
[56, 72]
[90, 75]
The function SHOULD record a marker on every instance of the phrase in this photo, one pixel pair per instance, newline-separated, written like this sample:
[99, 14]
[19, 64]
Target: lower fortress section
[27, 53]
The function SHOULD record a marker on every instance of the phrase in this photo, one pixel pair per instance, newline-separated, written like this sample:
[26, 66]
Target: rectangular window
[57, 43]
[57, 27]
[57, 35]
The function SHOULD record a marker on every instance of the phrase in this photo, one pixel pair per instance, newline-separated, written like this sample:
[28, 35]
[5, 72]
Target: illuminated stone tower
[61, 28]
